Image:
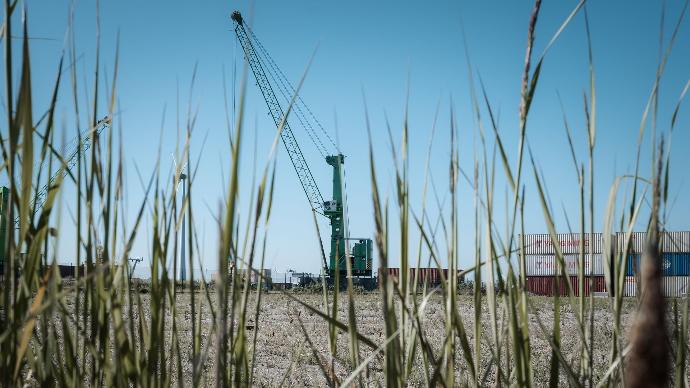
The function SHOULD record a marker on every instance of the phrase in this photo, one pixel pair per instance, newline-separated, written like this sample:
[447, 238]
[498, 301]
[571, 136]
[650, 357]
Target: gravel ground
[281, 342]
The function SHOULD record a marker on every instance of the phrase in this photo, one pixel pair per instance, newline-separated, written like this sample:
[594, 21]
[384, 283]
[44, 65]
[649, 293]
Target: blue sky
[381, 48]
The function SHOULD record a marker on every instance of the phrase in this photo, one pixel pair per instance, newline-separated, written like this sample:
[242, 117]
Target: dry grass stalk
[648, 362]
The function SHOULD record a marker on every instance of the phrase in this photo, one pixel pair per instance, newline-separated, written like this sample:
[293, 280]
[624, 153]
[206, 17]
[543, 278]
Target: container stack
[541, 267]
[675, 262]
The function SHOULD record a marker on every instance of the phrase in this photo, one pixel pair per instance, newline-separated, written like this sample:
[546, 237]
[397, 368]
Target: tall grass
[106, 329]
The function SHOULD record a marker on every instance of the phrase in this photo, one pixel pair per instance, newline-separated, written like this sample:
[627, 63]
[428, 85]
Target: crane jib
[299, 163]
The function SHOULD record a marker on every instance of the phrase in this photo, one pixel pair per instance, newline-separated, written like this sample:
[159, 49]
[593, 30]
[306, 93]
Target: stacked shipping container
[546, 285]
[672, 264]
[675, 262]
[545, 265]
[541, 264]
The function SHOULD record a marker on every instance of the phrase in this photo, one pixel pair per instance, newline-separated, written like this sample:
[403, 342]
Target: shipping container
[392, 272]
[672, 264]
[675, 286]
[545, 265]
[669, 242]
[637, 241]
[630, 287]
[542, 244]
[546, 285]
[675, 242]
[432, 276]
[671, 286]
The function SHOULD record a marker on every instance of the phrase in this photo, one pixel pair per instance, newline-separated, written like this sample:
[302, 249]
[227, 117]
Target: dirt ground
[284, 355]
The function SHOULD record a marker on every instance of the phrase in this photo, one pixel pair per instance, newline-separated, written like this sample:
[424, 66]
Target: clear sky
[381, 48]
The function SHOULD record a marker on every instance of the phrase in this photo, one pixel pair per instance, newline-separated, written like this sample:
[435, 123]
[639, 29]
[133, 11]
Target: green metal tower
[334, 210]
[267, 74]
[360, 254]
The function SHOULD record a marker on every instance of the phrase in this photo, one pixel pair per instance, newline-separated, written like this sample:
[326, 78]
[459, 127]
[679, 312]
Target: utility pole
[134, 261]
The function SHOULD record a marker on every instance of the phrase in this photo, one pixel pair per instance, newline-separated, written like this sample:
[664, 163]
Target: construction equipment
[268, 75]
[79, 146]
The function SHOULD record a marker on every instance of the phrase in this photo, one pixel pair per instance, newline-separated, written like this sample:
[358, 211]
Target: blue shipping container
[672, 264]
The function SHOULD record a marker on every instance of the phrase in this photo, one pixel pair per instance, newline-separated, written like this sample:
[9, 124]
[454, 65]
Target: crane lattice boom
[71, 158]
[294, 152]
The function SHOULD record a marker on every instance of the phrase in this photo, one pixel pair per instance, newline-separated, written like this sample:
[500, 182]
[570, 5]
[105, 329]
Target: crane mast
[360, 255]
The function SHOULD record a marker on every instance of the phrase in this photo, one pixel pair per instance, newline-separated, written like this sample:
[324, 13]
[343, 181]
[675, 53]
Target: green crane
[268, 75]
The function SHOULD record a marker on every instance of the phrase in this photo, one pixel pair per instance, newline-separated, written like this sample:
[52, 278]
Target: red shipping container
[392, 272]
[544, 285]
[430, 276]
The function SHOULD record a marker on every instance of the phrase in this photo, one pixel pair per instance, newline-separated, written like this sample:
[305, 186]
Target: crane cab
[330, 207]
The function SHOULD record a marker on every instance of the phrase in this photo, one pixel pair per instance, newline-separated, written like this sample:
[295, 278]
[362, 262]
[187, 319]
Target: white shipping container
[542, 244]
[545, 265]
[637, 241]
[670, 242]
[671, 286]
[675, 242]
[630, 288]
[675, 286]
